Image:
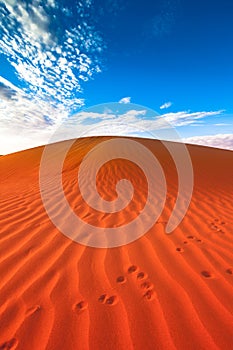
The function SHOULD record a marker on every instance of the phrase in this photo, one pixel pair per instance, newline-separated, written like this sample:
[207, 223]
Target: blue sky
[60, 57]
[187, 60]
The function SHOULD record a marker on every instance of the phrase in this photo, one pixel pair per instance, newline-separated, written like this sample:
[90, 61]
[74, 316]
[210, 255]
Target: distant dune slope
[159, 292]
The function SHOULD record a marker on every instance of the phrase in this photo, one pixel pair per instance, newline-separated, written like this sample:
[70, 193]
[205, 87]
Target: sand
[159, 292]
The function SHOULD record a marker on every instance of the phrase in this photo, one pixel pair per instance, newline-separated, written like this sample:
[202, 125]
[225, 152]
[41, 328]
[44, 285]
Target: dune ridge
[159, 292]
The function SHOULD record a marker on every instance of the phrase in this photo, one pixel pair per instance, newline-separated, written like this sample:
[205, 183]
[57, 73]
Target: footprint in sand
[132, 269]
[181, 250]
[108, 300]
[81, 306]
[121, 279]
[102, 298]
[216, 228]
[147, 285]
[141, 275]
[112, 300]
[206, 274]
[190, 237]
[9, 345]
[219, 221]
[215, 225]
[149, 295]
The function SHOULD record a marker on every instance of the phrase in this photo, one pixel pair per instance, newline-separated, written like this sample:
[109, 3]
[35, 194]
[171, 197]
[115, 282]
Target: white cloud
[166, 105]
[25, 122]
[51, 60]
[8, 84]
[36, 121]
[131, 122]
[187, 118]
[125, 100]
[222, 124]
[224, 141]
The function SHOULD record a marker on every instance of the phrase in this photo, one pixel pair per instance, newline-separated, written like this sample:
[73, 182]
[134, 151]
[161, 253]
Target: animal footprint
[112, 300]
[149, 295]
[108, 300]
[181, 250]
[102, 298]
[206, 274]
[9, 345]
[82, 305]
[132, 269]
[214, 226]
[147, 285]
[141, 276]
[121, 279]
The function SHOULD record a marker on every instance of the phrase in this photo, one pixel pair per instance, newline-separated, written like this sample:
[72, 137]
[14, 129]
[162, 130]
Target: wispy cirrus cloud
[184, 118]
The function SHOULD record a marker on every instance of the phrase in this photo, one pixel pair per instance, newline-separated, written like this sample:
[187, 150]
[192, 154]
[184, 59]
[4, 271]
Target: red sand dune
[159, 292]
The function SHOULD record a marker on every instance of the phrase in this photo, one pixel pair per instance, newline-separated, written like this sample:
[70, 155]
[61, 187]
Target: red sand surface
[159, 292]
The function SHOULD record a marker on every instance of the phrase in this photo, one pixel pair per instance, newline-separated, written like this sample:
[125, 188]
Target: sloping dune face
[162, 291]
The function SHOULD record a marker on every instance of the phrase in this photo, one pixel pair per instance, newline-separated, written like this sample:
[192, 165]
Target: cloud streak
[166, 105]
[219, 141]
[127, 121]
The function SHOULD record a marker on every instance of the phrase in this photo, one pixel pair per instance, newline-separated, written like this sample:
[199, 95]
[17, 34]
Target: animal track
[206, 274]
[141, 276]
[102, 298]
[112, 300]
[147, 285]
[108, 300]
[82, 305]
[193, 238]
[132, 269]
[149, 295]
[181, 250]
[121, 279]
[9, 345]
[215, 225]
[190, 237]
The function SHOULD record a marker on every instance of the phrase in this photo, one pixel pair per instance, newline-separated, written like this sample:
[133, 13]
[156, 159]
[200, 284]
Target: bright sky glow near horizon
[59, 57]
